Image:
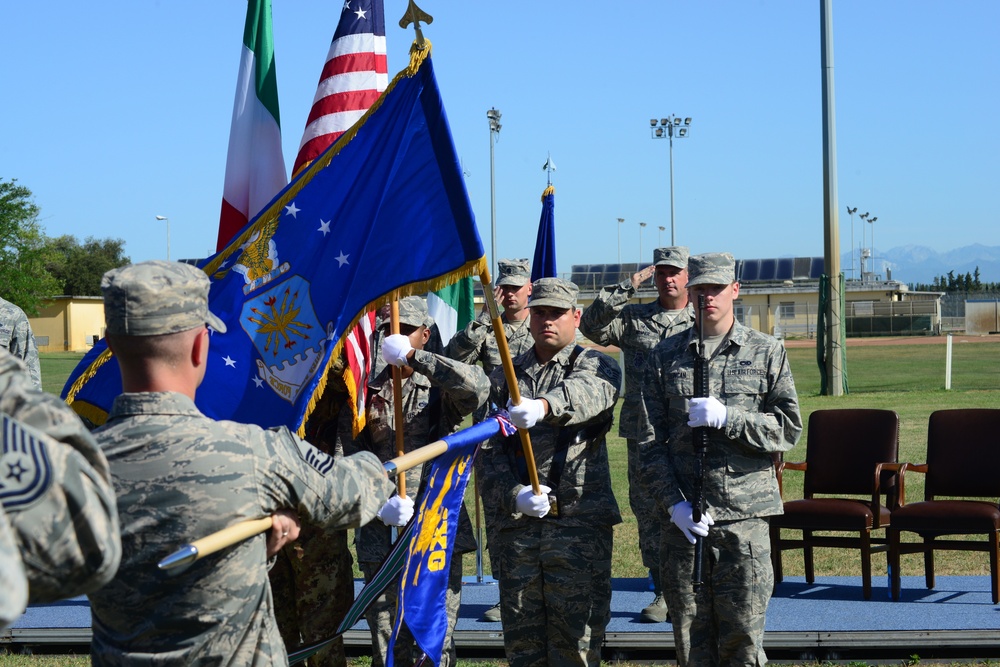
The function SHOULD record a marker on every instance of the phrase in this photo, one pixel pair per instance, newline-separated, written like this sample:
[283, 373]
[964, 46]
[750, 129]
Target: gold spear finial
[415, 15]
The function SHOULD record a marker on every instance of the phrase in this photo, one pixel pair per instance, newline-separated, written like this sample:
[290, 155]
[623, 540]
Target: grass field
[905, 375]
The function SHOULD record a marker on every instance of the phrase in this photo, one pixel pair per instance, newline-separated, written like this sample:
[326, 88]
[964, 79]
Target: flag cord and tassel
[511, 377]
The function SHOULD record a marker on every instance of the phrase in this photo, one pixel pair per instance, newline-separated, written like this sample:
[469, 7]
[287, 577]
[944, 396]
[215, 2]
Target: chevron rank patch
[320, 461]
[25, 471]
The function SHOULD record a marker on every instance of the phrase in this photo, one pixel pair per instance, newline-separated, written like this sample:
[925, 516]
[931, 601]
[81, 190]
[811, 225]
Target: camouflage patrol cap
[675, 255]
[711, 268]
[156, 297]
[516, 272]
[554, 292]
[413, 312]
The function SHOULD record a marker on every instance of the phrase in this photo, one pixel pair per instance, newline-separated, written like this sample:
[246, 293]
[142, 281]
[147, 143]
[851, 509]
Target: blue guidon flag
[424, 581]
[381, 213]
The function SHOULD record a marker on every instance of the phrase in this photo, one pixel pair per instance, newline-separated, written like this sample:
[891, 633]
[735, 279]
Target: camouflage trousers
[647, 514]
[722, 624]
[313, 586]
[381, 616]
[555, 592]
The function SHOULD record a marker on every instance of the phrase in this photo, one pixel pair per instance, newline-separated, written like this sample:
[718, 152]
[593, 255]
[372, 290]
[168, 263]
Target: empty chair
[963, 461]
[848, 453]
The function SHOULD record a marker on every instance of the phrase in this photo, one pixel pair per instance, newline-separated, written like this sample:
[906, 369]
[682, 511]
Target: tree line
[970, 282]
[34, 267]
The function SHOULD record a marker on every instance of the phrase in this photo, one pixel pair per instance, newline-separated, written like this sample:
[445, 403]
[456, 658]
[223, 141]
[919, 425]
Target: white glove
[528, 503]
[681, 516]
[395, 348]
[527, 413]
[707, 412]
[397, 511]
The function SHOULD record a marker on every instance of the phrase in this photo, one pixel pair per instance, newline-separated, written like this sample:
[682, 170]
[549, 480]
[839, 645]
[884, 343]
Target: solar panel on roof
[751, 269]
[768, 269]
[817, 268]
[785, 266]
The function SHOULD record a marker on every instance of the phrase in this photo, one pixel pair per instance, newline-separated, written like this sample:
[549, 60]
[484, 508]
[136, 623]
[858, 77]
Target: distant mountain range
[920, 264]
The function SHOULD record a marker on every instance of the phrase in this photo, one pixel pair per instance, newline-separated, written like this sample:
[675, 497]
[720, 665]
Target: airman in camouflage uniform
[752, 411]
[437, 393]
[478, 343]
[554, 548]
[16, 338]
[637, 329]
[57, 491]
[181, 476]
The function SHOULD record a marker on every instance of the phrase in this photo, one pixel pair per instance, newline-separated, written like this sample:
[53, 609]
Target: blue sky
[118, 111]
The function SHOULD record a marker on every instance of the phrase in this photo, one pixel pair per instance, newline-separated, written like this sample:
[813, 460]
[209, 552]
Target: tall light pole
[864, 218]
[666, 129]
[871, 221]
[494, 117]
[167, 220]
[851, 212]
[642, 225]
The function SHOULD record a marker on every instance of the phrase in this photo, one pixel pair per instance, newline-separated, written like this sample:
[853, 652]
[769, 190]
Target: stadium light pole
[864, 218]
[871, 221]
[642, 226]
[167, 220]
[493, 115]
[667, 128]
[851, 212]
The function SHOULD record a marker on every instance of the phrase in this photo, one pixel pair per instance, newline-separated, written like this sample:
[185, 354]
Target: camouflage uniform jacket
[57, 491]
[636, 328]
[749, 374]
[460, 390]
[581, 400]
[181, 476]
[16, 338]
[13, 580]
[477, 343]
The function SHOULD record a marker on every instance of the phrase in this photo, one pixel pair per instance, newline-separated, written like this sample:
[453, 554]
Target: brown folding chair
[848, 453]
[963, 461]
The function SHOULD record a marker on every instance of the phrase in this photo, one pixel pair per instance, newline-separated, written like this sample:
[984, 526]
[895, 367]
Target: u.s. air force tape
[316, 459]
[25, 471]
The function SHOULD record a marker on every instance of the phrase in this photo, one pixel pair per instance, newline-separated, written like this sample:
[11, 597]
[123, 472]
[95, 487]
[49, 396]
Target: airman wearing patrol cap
[568, 394]
[751, 411]
[636, 328]
[181, 476]
[437, 394]
[477, 343]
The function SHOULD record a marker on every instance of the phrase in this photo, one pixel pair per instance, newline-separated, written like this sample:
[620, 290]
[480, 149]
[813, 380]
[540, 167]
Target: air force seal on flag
[25, 473]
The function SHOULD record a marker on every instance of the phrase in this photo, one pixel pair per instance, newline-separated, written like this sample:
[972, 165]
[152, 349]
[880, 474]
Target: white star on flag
[324, 226]
[257, 381]
[229, 361]
[341, 259]
[291, 210]
[361, 13]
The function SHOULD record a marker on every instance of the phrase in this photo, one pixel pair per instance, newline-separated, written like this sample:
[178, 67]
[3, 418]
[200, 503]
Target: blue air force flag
[382, 212]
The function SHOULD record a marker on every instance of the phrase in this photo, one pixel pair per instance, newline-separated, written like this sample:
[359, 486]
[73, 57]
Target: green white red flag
[255, 166]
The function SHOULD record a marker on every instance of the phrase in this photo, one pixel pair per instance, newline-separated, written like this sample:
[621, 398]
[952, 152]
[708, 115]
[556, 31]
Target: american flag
[354, 75]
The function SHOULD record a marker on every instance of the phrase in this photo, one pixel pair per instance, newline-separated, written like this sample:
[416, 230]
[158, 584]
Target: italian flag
[255, 167]
[452, 308]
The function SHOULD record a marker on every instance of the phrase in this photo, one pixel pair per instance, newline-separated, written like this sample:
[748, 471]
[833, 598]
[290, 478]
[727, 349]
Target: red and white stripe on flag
[358, 350]
[355, 74]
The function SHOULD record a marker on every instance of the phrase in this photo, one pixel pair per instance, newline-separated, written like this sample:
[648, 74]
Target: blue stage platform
[825, 620]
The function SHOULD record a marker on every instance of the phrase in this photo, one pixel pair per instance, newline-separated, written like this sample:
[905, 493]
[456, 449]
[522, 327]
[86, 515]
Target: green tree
[78, 268]
[23, 278]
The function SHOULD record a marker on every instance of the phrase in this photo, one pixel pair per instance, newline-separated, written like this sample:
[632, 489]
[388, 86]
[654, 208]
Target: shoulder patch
[25, 470]
[321, 462]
